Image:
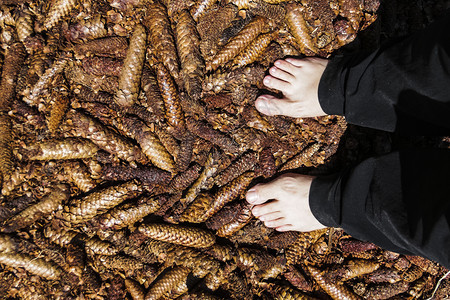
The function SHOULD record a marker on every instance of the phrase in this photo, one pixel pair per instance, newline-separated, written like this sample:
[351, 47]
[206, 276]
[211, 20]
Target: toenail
[262, 218]
[266, 81]
[252, 196]
[262, 106]
[277, 63]
[255, 212]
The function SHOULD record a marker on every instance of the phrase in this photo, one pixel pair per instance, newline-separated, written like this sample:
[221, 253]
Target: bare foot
[298, 80]
[289, 209]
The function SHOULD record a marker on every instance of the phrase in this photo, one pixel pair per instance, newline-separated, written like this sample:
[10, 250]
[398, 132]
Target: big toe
[263, 192]
[265, 106]
[272, 106]
[253, 197]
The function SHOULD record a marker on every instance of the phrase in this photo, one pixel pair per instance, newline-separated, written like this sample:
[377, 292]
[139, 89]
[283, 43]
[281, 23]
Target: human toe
[258, 194]
[281, 74]
[286, 66]
[265, 105]
[276, 223]
[252, 196]
[264, 209]
[271, 216]
[263, 192]
[275, 83]
[287, 227]
[307, 61]
[297, 62]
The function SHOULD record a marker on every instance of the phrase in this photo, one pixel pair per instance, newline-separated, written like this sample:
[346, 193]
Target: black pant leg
[404, 86]
[399, 201]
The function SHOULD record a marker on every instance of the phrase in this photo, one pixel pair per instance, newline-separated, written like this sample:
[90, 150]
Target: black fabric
[400, 201]
[404, 86]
